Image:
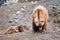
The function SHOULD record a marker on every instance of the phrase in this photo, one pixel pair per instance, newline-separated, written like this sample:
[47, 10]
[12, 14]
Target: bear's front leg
[44, 28]
[35, 29]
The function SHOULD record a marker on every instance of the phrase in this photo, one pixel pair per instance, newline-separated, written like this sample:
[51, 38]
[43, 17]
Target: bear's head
[21, 28]
[39, 22]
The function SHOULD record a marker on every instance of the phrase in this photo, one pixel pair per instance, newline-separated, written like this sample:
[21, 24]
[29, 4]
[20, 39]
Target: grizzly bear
[14, 29]
[39, 18]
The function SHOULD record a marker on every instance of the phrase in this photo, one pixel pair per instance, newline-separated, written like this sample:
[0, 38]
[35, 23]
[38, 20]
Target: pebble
[57, 28]
[54, 7]
[34, 2]
[26, 0]
[18, 12]
[22, 9]
[17, 20]
[23, 6]
[11, 21]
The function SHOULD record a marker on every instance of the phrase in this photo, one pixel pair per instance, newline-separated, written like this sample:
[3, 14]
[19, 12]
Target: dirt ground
[20, 13]
[53, 33]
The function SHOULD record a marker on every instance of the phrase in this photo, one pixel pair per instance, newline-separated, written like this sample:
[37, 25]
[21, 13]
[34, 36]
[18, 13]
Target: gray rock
[11, 21]
[22, 9]
[18, 12]
[16, 20]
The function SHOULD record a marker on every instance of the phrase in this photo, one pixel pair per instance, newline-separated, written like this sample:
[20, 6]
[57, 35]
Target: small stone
[34, 2]
[22, 9]
[54, 7]
[18, 12]
[26, 0]
[23, 6]
[8, 10]
[17, 20]
[11, 21]
[21, 13]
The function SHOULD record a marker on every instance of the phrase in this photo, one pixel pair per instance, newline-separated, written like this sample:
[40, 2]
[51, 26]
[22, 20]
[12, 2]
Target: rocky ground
[20, 13]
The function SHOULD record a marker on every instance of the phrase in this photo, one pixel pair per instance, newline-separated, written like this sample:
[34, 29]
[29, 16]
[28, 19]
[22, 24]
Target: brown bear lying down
[39, 18]
[14, 29]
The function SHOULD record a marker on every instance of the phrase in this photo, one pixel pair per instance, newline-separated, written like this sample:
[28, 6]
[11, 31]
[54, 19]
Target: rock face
[1, 2]
[10, 1]
[20, 13]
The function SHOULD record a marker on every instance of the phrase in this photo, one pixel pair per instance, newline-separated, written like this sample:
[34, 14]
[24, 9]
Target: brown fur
[21, 28]
[39, 13]
[14, 29]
